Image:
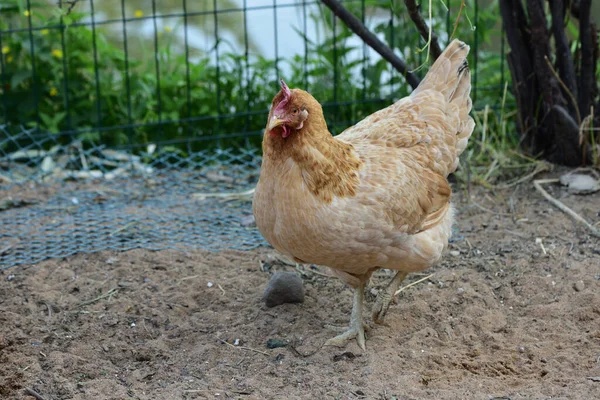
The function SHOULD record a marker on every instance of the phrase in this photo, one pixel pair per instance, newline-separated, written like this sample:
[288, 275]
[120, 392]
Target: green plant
[81, 93]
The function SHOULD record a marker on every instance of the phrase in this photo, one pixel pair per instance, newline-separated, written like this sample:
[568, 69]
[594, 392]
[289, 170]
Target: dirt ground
[512, 312]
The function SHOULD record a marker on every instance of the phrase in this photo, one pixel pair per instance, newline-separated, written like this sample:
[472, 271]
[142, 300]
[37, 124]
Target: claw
[357, 326]
[380, 308]
[342, 329]
[349, 334]
[384, 299]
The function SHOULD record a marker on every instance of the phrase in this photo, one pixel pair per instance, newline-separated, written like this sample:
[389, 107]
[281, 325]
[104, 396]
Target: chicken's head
[288, 112]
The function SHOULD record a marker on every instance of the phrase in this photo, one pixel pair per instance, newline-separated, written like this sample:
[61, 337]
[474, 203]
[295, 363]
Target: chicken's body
[376, 196]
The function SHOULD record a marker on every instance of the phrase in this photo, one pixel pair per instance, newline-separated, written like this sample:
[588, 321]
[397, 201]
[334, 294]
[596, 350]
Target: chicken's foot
[357, 327]
[384, 298]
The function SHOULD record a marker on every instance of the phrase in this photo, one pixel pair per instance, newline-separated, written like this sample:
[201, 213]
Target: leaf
[19, 77]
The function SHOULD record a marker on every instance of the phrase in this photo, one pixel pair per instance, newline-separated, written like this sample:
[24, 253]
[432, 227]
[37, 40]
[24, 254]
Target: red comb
[287, 95]
[286, 90]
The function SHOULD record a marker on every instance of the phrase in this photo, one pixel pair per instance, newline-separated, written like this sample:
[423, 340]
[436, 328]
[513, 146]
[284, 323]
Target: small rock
[455, 253]
[460, 290]
[248, 221]
[579, 286]
[521, 349]
[237, 342]
[214, 176]
[344, 356]
[275, 343]
[284, 287]
[48, 164]
[10, 277]
[209, 284]
[580, 183]
[105, 348]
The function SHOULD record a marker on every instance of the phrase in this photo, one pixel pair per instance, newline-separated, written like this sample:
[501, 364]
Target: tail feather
[449, 76]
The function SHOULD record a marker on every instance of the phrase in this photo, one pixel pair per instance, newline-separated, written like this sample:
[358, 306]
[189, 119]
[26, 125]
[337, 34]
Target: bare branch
[373, 41]
[564, 59]
[71, 4]
[413, 12]
[586, 77]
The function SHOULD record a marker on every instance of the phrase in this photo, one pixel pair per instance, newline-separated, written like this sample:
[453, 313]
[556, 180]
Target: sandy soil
[502, 317]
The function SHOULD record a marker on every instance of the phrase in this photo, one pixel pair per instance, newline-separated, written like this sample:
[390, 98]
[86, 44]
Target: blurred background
[193, 75]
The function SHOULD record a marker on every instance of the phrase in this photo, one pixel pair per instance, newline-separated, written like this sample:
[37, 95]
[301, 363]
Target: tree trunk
[552, 100]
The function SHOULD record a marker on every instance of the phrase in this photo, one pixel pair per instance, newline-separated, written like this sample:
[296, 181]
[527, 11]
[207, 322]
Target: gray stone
[579, 286]
[580, 184]
[284, 287]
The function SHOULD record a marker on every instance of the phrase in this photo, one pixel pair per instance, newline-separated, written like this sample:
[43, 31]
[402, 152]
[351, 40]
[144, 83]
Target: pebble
[275, 343]
[248, 221]
[284, 287]
[455, 253]
[579, 286]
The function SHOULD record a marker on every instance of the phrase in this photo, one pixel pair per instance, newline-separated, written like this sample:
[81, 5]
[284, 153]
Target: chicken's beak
[275, 122]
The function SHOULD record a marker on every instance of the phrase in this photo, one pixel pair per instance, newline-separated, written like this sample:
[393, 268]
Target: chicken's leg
[384, 298]
[356, 328]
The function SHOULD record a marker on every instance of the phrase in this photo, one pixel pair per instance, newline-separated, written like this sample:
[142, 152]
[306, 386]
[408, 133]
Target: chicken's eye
[295, 111]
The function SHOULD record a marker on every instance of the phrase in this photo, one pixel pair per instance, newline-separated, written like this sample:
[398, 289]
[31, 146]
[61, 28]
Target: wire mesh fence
[114, 114]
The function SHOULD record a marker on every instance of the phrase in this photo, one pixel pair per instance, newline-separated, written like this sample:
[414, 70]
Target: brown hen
[375, 196]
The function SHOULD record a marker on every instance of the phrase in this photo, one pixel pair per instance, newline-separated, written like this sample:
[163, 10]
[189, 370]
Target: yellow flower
[168, 29]
[138, 13]
[44, 31]
[53, 91]
[26, 13]
[57, 53]
[5, 50]
[9, 59]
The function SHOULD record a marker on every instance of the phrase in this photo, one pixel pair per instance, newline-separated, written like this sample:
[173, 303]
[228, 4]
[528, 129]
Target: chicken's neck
[328, 166]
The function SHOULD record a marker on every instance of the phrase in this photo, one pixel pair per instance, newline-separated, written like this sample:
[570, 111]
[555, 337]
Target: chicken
[375, 196]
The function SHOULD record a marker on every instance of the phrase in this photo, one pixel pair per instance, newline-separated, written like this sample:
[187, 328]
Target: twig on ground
[102, 296]
[33, 393]
[124, 228]
[221, 287]
[308, 271]
[482, 208]
[538, 185]
[516, 233]
[236, 196]
[541, 243]
[412, 284]
[540, 166]
[6, 249]
[189, 277]
[243, 347]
